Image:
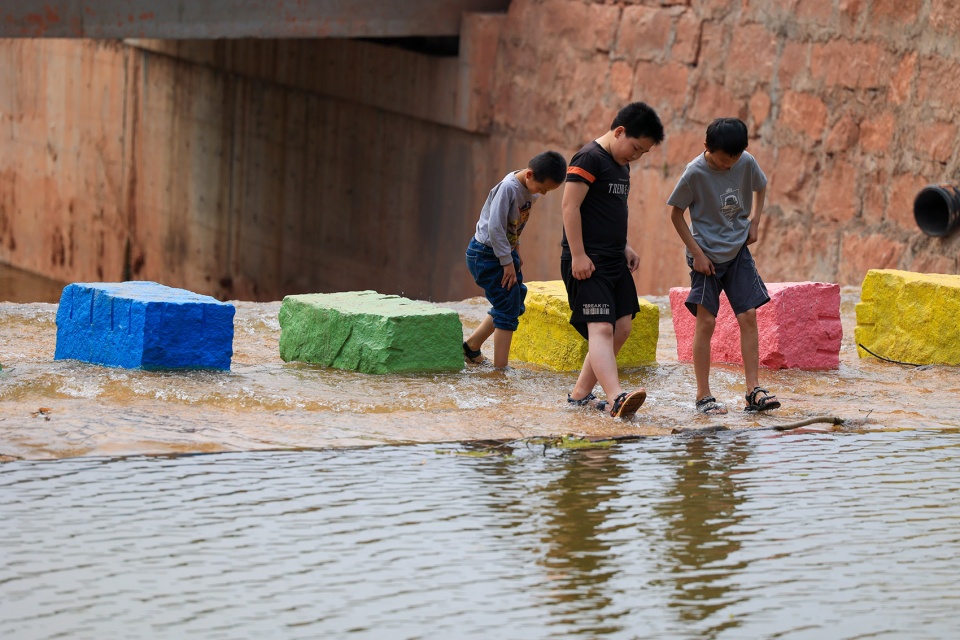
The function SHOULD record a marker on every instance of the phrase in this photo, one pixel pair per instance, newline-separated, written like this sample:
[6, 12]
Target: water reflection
[569, 511]
[579, 560]
[746, 536]
[703, 505]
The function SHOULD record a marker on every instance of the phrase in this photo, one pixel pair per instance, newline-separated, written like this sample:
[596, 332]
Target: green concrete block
[370, 332]
[909, 317]
[546, 337]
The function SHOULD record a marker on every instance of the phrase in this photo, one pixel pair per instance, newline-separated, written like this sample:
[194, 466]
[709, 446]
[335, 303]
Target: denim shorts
[488, 273]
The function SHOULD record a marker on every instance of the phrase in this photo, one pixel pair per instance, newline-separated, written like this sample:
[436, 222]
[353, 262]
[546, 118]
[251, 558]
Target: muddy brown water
[55, 409]
[283, 500]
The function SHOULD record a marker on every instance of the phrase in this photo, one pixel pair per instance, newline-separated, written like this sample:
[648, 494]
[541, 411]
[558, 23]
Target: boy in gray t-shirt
[718, 187]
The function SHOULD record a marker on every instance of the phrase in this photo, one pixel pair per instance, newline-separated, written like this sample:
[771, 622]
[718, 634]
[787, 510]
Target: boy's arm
[573, 195]
[501, 207]
[754, 233]
[633, 259]
[701, 262]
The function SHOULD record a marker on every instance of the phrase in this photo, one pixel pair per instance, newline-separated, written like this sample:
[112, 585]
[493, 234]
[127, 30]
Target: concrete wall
[255, 190]
[180, 19]
[254, 169]
[122, 161]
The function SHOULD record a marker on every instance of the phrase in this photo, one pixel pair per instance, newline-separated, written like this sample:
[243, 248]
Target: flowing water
[334, 504]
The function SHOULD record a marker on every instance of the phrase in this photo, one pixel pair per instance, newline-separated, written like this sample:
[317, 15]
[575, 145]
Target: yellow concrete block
[910, 317]
[545, 336]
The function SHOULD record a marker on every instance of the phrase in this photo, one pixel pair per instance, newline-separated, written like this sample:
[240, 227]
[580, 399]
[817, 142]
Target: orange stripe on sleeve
[583, 173]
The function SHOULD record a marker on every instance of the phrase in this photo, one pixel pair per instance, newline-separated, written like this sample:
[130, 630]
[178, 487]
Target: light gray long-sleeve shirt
[503, 217]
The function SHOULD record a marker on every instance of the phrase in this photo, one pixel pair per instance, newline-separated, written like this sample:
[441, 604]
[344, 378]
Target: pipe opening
[935, 211]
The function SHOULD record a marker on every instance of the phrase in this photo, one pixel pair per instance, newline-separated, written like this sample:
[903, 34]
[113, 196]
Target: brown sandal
[626, 404]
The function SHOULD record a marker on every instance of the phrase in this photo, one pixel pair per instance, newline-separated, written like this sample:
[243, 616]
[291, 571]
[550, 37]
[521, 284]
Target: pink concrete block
[799, 327]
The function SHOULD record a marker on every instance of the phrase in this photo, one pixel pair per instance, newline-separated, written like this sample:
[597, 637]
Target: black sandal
[708, 405]
[471, 356]
[626, 404]
[588, 400]
[757, 402]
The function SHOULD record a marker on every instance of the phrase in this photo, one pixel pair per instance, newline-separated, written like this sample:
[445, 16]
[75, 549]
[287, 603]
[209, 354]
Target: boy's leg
[703, 333]
[503, 318]
[602, 358]
[588, 378]
[746, 293]
[703, 301]
[750, 347]
[481, 333]
[501, 347]
[758, 399]
[485, 268]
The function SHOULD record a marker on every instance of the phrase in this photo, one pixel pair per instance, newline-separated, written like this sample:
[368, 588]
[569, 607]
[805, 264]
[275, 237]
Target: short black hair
[639, 120]
[728, 135]
[548, 165]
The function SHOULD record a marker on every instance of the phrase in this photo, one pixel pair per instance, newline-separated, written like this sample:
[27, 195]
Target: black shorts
[606, 296]
[738, 279]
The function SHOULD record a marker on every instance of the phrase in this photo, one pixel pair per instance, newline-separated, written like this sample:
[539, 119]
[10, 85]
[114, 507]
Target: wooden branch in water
[489, 446]
[779, 427]
[808, 421]
[699, 431]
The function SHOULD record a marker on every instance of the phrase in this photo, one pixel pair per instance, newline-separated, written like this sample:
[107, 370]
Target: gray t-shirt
[503, 217]
[720, 203]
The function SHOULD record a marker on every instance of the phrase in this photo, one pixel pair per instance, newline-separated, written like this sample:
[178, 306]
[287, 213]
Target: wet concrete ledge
[56, 409]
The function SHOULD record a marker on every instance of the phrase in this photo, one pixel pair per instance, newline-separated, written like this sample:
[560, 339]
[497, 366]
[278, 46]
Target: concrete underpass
[247, 149]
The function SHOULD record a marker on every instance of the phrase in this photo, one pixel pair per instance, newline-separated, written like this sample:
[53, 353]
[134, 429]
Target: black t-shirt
[603, 212]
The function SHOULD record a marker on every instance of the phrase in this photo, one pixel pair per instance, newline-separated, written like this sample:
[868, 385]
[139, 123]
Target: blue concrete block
[143, 325]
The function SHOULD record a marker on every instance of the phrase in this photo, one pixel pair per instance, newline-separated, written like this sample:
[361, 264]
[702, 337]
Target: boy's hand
[509, 277]
[702, 264]
[633, 260]
[753, 234]
[582, 267]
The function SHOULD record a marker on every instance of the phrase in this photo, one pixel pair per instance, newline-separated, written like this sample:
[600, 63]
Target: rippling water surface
[732, 535]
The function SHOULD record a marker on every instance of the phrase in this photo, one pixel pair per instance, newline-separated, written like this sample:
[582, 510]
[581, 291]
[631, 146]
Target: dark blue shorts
[488, 274]
[738, 279]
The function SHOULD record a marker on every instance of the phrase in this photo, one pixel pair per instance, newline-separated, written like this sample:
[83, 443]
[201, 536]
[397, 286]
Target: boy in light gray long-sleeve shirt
[492, 255]
[719, 187]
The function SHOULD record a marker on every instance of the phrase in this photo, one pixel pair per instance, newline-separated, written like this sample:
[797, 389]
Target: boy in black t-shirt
[596, 262]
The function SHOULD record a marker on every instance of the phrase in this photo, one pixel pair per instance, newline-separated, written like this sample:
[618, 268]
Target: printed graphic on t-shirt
[516, 226]
[621, 188]
[730, 204]
[595, 309]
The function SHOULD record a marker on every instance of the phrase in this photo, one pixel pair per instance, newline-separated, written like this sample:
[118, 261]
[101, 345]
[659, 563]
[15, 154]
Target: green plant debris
[574, 442]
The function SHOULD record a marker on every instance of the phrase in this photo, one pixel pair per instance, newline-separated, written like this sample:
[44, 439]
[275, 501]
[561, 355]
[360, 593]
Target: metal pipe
[937, 209]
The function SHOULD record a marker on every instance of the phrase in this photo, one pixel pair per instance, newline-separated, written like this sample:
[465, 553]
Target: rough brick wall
[850, 105]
